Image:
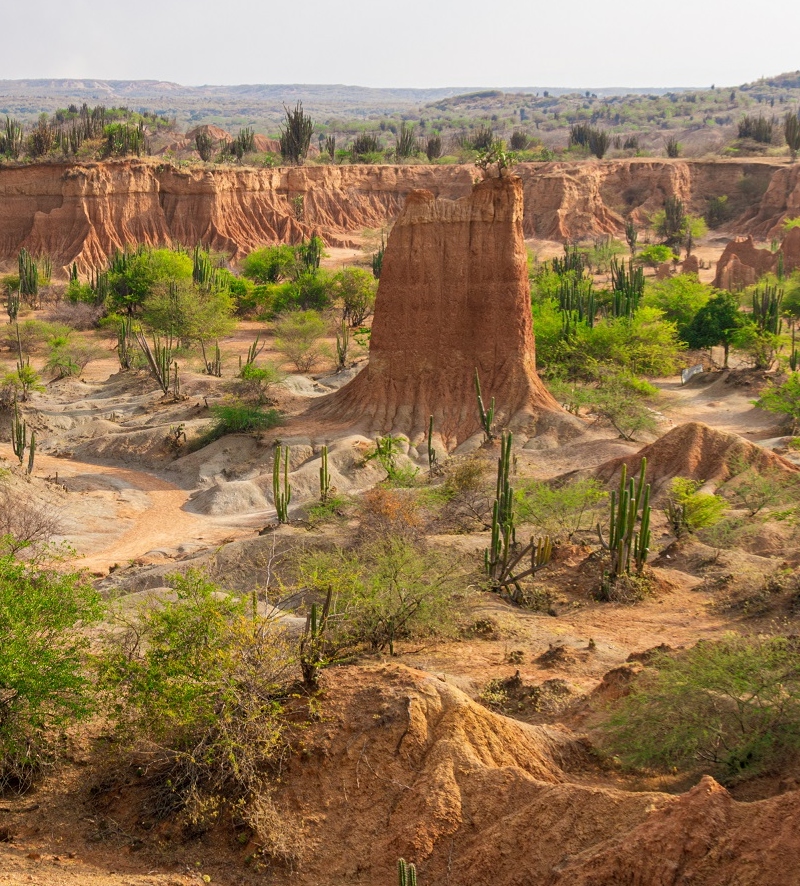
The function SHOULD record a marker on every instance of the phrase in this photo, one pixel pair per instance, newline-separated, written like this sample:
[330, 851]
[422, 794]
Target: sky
[414, 43]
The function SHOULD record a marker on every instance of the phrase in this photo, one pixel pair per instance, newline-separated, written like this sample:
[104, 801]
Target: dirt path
[115, 514]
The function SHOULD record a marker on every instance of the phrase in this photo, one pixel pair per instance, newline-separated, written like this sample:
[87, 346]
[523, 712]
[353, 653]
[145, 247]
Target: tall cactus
[432, 457]
[281, 490]
[31, 452]
[19, 434]
[28, 276]
[767, 309]
[324, 478]
[487, 415]
[628, 547]
[406, 873]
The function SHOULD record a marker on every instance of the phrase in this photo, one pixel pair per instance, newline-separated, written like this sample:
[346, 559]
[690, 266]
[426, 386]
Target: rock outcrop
[453, 297]
[83, 212]
[742, 263]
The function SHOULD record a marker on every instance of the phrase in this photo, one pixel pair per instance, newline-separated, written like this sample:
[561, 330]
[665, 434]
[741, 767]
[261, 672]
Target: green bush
[783, 399]
[386, 591]
[679, 298]
[199, 682]
[689, 510]
[297, 335]
[44, 685]
[733, 705]
[559, 511]
[240, 418]
[655, 255]
[270, 264]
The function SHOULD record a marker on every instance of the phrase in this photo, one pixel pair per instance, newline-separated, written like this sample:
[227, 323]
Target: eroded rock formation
[742, 263]
[83, 212]
[453, 297]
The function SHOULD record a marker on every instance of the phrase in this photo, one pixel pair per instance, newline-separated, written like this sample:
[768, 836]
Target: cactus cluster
[296, 135]
[630, 506]
[28, 276]
[432, 457]
[767, 309]
[377, 260]
[504, 555]
[627, 288]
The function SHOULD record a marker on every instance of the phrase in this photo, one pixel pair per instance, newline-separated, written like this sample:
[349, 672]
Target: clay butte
[82, 213]
[454, 298]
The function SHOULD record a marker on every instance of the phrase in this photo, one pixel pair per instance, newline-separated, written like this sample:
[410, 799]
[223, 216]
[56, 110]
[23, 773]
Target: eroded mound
[699, 452]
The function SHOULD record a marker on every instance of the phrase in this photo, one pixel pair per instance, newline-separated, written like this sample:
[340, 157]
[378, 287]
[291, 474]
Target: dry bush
[26, 524]
[469, 495]
[76, 315]
[390, 513]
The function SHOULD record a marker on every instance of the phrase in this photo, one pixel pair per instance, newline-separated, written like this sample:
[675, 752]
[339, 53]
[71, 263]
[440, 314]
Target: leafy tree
[43, 682]
[679, 298]
[655, 255]
[715, 323]
[734, 704]
[356, 289]
[184, 311]
[270, 264]
[133, 276]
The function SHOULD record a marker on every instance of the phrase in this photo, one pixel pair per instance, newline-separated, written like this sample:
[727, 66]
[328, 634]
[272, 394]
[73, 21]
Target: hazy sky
[409, 43]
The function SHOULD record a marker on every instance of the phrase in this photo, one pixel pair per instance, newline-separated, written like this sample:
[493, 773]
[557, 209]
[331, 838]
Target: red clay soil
[454, 296]
[406, 765]
[696, 451]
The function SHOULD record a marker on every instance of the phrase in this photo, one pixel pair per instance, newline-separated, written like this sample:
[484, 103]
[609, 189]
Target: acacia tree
[296, 135]
[715, 323]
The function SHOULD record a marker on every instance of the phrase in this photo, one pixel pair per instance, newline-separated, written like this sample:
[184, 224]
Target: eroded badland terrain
[452, 714]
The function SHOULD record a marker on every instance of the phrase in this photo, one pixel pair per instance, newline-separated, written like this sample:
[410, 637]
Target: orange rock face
[83, 212]
[742, 263]
[453, 296]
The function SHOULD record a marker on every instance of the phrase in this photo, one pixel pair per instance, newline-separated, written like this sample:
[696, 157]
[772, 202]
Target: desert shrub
[625, 402]
[386, 451]
[26, 524]
[734, 704]
[69, 359]
[758, 346]
[257, 381]
[80, 293]
[182, 310]
[34, 335]
[43, 683]
[199, 682]
[559, 512]
[689, 510]
[297, 335]
[308, 291]
[756, 490]
[235, 417]
[386, 591]
[783, 399]
[76, 315]
[19, 384]
[389, 512]
[467, 495]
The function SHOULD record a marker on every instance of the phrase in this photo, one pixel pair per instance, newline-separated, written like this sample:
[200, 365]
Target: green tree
[679, 297]
[44, 685]
[716, 323]
[791, 132]
[270, 264]
[356, 288]
[133, 276]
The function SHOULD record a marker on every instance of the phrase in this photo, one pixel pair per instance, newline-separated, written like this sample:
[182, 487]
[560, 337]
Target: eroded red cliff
[83, 212]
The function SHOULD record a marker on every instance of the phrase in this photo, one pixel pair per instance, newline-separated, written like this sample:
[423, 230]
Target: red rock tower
[453, 296]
